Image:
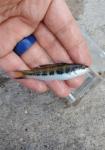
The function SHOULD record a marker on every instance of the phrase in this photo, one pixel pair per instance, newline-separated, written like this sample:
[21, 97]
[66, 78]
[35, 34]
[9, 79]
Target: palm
[32, 10]
[56, 40]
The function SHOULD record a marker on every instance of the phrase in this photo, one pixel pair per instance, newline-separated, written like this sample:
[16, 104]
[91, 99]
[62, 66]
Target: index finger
[61, 22]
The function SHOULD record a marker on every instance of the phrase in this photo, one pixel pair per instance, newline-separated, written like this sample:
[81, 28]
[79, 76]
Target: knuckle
[4, 52]
[75, 83]
[41, 91]
[63, 28]
[62, 92]
[50, 43]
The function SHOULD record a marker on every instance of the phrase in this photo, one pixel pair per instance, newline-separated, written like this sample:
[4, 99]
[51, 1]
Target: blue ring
[24, 44]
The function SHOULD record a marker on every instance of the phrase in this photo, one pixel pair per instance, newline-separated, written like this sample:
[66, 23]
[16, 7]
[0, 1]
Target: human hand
[58, 40]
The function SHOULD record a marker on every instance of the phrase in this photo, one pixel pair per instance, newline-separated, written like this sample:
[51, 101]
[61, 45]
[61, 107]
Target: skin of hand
[58, 40]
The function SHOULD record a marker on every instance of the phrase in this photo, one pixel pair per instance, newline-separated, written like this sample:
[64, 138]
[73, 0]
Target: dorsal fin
[42, 67]
[51, 65]
[45, 66]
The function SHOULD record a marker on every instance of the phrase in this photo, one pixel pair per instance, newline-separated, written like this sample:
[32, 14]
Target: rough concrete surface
[29, 121]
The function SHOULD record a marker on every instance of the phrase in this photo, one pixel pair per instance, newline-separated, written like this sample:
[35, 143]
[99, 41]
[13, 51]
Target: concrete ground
[29, 121]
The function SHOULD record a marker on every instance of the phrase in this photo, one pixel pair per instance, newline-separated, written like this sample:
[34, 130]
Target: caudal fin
[18, 75]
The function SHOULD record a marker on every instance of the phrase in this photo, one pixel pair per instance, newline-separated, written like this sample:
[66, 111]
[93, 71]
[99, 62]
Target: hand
[58, 39]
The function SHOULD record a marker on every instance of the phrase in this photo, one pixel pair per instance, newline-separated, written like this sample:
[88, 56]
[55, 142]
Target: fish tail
[18, 75]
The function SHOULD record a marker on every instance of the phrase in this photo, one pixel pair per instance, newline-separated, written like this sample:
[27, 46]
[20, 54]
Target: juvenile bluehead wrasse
[58, 71]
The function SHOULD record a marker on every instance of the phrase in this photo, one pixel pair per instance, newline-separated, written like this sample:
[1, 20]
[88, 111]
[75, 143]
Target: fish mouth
[81, 71]
[85, 66]
[82, 66]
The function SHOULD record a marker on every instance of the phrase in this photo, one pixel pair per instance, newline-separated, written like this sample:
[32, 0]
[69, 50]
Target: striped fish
[59, 71]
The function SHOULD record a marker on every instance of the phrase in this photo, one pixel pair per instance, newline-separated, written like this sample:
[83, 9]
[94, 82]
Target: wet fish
[58, 71]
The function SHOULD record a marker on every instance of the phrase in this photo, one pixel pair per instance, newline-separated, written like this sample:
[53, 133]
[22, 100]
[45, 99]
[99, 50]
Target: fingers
[37, 56]
[34, 10]
[55, 50]
[51, 45]
[11, 32]
[12, 62]
[65, 29]
[61, 22]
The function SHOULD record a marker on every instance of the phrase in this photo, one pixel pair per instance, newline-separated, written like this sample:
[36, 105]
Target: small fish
[58, 71]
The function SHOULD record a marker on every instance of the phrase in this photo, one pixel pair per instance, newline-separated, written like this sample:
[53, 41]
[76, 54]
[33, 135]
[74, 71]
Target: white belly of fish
[64, 76]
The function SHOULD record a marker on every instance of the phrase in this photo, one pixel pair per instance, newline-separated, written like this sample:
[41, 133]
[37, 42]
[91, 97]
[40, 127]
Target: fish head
[81, 69]
[76, 70]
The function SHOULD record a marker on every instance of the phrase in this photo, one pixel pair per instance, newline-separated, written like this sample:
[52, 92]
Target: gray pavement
[29, 121]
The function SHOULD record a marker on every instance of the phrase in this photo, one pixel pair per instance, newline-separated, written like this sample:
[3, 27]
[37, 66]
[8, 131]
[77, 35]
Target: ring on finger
[23, 45]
